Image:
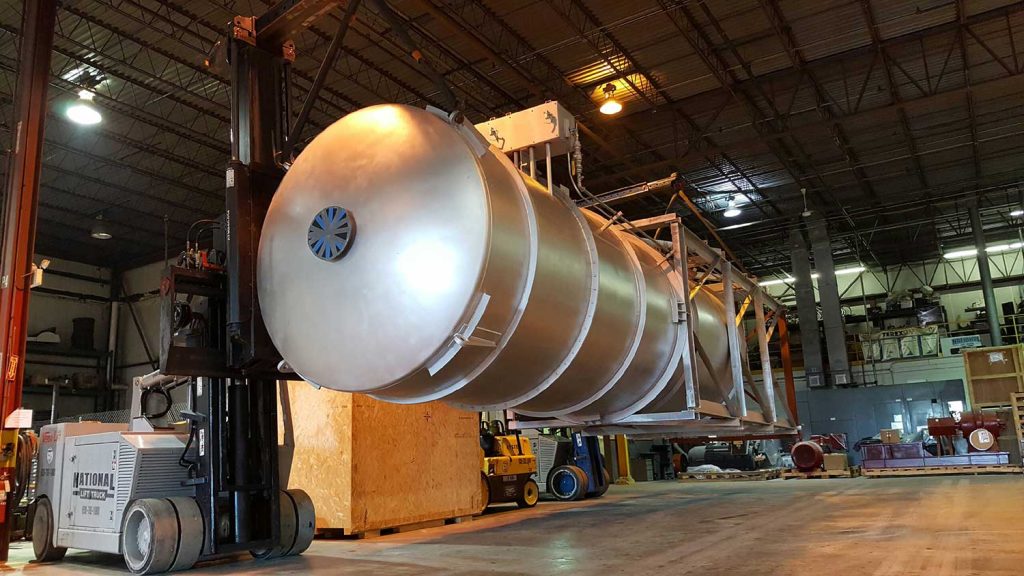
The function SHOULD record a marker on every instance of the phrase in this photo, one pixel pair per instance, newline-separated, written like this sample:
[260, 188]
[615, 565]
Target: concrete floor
[959, 525]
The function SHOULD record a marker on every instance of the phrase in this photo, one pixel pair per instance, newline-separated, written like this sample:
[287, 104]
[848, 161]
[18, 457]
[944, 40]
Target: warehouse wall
[82, 298]
[862, 412]
[143, 283]
[954, 280]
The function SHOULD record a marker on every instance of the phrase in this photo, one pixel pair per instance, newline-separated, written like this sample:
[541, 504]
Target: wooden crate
[1017, 419]
[993, 374]
[370, 465]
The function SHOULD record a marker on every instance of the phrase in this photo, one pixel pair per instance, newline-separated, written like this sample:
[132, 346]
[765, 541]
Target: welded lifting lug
[680, 312]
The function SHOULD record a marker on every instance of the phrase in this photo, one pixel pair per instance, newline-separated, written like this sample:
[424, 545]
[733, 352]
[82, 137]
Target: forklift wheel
[190, 532]
[305, 521]
[567, 483]
[298, 525]
[149, 537]
[42, 532]
[530, 494]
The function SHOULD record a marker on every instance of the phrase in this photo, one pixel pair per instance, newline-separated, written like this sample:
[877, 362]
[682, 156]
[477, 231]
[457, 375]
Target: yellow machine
[508, 467]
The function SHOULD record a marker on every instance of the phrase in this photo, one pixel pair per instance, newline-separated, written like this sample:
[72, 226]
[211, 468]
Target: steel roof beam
[894, 95]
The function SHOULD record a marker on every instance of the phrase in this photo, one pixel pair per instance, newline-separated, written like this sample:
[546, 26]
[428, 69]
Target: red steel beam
[21, 201]
[787, 369]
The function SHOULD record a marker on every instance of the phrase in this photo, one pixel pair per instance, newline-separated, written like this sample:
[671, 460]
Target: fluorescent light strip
[991, 249]
[790, 279]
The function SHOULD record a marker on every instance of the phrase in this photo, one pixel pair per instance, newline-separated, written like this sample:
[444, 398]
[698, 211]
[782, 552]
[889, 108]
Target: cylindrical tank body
[807, 456]
[968, 423]
[404, 257]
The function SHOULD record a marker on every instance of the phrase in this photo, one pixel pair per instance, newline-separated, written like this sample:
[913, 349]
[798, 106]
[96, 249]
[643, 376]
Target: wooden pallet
[850, 473]
[337, 533]
[739, 476]
[942, 470]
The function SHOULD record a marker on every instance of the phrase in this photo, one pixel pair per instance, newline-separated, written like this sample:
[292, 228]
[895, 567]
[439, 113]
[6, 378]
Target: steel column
[831, 309]
[21, 201]
[806, 309]
[991, 306]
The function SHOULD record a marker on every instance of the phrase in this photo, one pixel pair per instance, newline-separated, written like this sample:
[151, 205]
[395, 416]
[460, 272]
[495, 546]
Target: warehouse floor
[894, 526]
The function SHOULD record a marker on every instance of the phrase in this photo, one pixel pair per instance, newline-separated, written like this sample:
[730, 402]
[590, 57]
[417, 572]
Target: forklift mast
[233, 364]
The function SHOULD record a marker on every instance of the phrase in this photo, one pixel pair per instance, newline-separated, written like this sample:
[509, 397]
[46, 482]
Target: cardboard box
[890, 435]
[835, 462]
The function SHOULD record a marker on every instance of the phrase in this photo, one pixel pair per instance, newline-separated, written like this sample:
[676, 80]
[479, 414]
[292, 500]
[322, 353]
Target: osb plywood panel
[369, 465]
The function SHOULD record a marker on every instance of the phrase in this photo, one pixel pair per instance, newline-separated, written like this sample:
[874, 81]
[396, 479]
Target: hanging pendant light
[610, 105]
[99, 229]
[83, 111]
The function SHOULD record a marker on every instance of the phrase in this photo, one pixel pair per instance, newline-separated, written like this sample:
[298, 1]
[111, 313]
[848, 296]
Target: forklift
[165, 495]
[508, 467]
[569, 464]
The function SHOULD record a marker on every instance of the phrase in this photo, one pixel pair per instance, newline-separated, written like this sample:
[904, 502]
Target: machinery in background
[127, 489]
[508, 467]
[979, 429]
[809, 456]
[569, 465]
[739, 455]
[21, 496]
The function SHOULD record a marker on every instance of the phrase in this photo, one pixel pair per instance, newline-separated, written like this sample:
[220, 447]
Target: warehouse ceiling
[884, 116]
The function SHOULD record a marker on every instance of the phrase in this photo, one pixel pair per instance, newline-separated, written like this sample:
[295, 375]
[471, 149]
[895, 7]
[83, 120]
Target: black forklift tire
[287, 533]
[529, 495]
[567, 483]
[305, 521]
[42, 532]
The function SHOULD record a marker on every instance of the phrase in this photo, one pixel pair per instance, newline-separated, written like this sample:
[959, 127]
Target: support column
[806, 309]
[991, 306]
[21, 200]
[622, 460]
[787, 370]
[828, 298]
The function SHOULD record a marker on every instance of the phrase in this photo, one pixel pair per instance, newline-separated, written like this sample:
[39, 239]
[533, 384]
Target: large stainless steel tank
[404, 257]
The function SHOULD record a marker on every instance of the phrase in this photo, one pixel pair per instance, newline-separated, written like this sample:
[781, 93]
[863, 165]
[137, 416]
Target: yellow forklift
[508, 467]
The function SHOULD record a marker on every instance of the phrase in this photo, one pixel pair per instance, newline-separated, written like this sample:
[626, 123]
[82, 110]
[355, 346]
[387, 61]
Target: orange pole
[21, 200]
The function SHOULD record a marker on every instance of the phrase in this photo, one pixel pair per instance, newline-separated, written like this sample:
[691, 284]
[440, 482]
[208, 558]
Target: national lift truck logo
[93, 485]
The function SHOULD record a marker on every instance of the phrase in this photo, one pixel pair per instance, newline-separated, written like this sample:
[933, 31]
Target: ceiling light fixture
[83, 111]
[610, 105]
[732, 211]
[1017, 212]
[814, 275]
[990, 249]
[99, 229]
